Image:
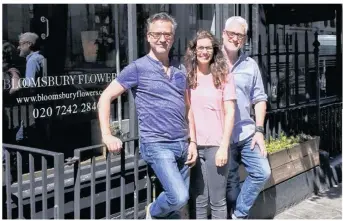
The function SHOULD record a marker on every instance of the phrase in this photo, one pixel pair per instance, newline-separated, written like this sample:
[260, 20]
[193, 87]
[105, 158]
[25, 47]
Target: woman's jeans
[209, 184]
[167, 159]
[241, 200]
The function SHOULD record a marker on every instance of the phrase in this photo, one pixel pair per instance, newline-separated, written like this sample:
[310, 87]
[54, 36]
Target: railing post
[44, 188]
[133, 54]
[122, 182]
[8, 184]
[108, 185]
[339, 44]
[136, 182]
[287, 71]
[277, 57]
[117, 47]
[255, 11]
[20, 184]
[77, 184]
[296, 68]
[307, 74]
[265, 72]
[32, 186]
[316, 45]
[59, 186]
[153, 181]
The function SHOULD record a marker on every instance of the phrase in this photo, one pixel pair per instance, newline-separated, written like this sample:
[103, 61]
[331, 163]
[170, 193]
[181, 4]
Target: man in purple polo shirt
[248, 135]
[159, 89]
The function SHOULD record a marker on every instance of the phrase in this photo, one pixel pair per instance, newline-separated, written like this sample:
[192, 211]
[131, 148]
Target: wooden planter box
[290, 162]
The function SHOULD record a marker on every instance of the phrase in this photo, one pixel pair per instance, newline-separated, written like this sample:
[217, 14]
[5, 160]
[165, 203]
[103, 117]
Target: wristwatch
[259, 129]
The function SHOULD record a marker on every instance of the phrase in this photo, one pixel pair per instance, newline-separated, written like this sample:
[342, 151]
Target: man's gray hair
[239, 20]
[161, 16]
[29, 37]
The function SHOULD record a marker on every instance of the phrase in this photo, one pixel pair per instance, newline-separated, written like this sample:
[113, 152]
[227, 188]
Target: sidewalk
[327, 205]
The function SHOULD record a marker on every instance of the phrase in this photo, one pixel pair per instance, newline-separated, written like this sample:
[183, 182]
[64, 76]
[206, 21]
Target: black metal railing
[20, 190]
[331, 128]
[300, 99]
[304, 119]
[117, 186]
[123, 188]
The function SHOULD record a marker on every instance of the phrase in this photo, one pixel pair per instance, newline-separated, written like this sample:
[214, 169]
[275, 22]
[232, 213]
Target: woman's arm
[192, 149]
[229, 100]
[229, 118]
[223, 151]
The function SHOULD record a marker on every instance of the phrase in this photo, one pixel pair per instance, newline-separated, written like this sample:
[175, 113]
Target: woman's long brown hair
[218, 63]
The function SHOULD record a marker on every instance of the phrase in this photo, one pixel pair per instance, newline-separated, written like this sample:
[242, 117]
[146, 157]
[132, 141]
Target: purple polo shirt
[159, 100]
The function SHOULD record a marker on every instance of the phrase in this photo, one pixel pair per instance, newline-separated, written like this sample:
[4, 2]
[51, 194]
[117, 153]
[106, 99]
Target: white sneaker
[148, 215]
[234, 217]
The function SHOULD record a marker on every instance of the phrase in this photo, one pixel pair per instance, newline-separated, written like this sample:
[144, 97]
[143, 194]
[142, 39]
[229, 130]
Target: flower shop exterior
[60, 169]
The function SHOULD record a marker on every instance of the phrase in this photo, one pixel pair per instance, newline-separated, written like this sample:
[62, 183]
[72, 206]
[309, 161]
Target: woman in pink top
[212, 98]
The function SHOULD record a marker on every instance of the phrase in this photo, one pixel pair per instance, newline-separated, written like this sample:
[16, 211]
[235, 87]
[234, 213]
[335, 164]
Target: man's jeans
[209, 184]
[167, 159]
[258, 170]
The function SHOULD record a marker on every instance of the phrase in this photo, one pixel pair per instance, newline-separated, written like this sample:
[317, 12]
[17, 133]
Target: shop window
[77, 44]
[90, 37]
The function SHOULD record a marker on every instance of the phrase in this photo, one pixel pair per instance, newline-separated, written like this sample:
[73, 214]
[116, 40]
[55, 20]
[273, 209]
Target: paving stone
[333, 199]
[327, 205]
[287, 215]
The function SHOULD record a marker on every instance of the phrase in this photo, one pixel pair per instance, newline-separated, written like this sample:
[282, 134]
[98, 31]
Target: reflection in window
[90, 37]
[16, 20]
[88, 49]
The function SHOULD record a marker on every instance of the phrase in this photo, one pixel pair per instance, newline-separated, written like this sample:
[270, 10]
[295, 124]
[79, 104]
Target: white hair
[239, 20]
[29, 37]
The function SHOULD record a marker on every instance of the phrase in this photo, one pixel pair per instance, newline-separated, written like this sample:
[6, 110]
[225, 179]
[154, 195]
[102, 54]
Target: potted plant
[105, 44]
[98, 39]
[89, 45]
[289, 156]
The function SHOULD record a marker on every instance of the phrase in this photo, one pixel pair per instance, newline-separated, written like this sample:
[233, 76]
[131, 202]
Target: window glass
[51, 87]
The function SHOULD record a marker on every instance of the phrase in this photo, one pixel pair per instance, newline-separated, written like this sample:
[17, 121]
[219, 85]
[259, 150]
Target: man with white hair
[28, 46]
[248, 144]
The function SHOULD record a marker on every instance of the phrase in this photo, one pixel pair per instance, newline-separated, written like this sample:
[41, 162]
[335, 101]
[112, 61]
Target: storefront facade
[85, 46]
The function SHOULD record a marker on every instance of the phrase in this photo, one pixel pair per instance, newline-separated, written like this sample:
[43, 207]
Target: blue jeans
[258, 169]
[167, 159]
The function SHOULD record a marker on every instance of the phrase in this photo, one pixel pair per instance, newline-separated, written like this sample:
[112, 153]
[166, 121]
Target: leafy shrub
[284, 142]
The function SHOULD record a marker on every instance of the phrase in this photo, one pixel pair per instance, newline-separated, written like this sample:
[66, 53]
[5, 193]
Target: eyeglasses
[157, 35]
[231, 34]
[23, 42]
[201, 48]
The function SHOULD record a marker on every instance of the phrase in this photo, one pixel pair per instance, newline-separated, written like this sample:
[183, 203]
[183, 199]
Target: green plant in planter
[284, 142]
